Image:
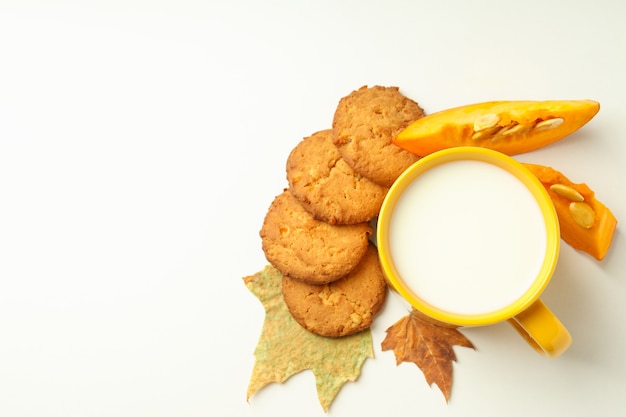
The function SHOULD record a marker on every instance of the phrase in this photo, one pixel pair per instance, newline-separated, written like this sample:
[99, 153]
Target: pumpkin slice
[510, 127]
[586, 224]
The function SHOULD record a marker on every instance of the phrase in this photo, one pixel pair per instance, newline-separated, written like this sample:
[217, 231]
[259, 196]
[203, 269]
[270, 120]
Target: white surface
[141, 143]
[468, 237]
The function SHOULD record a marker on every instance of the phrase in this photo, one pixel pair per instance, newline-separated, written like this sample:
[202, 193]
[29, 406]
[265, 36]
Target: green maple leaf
[285, 348]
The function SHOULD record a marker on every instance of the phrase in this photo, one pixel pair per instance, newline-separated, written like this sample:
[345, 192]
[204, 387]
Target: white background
[141, 143]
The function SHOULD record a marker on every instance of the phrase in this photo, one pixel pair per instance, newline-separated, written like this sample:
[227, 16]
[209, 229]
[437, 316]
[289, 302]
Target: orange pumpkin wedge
[586, 224]
[510, 127]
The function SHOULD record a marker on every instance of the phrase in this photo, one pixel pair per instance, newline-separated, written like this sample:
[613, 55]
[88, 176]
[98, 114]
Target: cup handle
[542, 330]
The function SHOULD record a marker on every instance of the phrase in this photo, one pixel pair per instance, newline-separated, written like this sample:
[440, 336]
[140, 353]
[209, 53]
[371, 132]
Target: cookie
[308, 249]
[342, 307]
[327, 186]
[364, 125]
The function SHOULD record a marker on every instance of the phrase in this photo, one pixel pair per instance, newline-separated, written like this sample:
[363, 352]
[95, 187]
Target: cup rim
[526, 177]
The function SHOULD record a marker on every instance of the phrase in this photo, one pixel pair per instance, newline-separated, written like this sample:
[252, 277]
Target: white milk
[467, 237]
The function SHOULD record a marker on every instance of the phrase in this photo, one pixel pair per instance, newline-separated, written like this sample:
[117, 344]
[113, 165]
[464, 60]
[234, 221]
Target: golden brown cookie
[327, 186]
[308, 249]
[364, 125]
[342, 307]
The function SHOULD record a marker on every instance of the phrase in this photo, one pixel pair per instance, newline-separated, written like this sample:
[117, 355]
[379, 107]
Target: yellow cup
[470, 237]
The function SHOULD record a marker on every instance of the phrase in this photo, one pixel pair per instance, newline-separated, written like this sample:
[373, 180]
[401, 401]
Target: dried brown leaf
[428, 345]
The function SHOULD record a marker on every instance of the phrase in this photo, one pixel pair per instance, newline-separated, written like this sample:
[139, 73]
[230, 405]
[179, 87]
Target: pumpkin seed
[567, 192]
[486, 133]
[485, 122]
[582, 213]
[548, 124]
[515, 130]
[511, 130]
